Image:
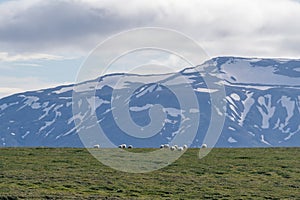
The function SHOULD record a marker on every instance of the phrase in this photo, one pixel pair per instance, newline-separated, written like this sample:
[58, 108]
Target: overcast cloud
[265, 28]
[42, 43]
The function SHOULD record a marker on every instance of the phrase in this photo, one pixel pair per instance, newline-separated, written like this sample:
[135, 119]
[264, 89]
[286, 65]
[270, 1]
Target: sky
[44, 43]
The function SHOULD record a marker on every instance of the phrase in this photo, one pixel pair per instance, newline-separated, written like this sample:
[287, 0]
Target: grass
[56, 173]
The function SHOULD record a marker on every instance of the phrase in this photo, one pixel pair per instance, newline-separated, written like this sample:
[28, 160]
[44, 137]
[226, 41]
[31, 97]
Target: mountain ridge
[257, 115]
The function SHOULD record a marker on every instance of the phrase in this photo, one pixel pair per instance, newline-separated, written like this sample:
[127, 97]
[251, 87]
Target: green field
[49, 173]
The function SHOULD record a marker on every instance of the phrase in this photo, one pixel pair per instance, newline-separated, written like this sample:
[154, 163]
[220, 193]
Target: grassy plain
[67, 173]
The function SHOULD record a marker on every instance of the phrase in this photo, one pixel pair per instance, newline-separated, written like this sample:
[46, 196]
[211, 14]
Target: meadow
[69, 173]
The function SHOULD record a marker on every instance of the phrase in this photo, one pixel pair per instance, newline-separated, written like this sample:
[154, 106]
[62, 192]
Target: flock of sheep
[123, 146]
[163, 146]
[173, 148]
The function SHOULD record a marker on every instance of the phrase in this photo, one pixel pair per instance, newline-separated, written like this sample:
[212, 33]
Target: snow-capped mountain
[262, 107]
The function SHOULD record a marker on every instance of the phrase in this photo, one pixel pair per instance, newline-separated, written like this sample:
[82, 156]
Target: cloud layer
[266, 28]
[5, 57]
[38, 39]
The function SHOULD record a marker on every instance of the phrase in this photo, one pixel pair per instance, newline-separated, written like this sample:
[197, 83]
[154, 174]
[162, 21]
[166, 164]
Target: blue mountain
[261, 108]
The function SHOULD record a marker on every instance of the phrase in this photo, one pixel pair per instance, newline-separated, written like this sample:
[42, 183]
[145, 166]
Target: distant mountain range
[262, 101]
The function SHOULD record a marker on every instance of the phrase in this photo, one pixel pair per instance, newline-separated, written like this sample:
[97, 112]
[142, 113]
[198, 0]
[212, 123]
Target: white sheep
[162, 146]
[172, 148]
[122, 146]
[176, 146]
[204, 146]
[130, 146]
[180, 148]
[96, 146]
[166, 146]
[185, 146]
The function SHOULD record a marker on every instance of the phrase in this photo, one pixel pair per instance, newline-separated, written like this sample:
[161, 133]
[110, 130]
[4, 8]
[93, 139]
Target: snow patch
[36, 106]
[78, 116]
[218, 111]
[235, 96]
[231, 128]
[174, 112]
[46, 110]
[144, 91]
[95, 102]
[206, 90]
[46, 135]
[194, 110]
[289, 106]
[231, 140]
[63, 90]
[47, 124]
[262, 139]
[251, 133]
[245, 72]
[84, 87]
[64, 98]
[23, 136]
[5, 105]
[268, 112]
[29, 101]
[138, 109]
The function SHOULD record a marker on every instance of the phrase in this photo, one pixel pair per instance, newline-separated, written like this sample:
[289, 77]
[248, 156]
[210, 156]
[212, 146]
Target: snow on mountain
[264, 72]
[262, 97]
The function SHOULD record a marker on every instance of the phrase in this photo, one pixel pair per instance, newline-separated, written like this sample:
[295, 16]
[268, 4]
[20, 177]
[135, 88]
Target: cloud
[28, 64]
[233, 27]
[38, 33]
[5, 91]
[54, 25]
[6, 57]
[11, 85]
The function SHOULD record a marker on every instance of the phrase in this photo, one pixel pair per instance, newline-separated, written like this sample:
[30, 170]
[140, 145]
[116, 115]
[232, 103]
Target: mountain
[262, 108]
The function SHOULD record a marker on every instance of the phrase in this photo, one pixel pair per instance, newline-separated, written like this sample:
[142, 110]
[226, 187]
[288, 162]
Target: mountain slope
[262, 95]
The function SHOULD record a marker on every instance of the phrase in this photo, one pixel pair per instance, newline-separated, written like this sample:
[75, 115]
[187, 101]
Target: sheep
[185, 146]
[172, 148]
[204, 146]
[176, 146]
[122, 146]
[162, 146]
[166, 146]
[130, 147]
[96, 146]
[180, 148]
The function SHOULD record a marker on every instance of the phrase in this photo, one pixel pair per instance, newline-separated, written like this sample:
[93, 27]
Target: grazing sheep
[185, 146]
[122, 146]
[180, 148]
[96, 146]
[166, 146]
[176, 146]
[130, 146]
[162, 146]
[172, 148]
[204, 146]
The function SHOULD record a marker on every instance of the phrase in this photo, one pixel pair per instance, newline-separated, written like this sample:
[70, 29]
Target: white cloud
[6, 57]
[232, 27]
[5, 91]
[28, 64]
[37, 30]
[12, 85]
